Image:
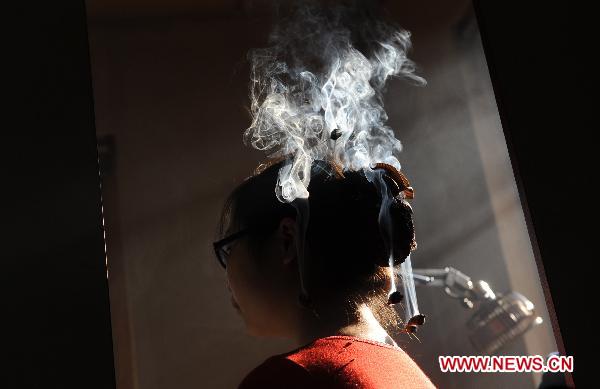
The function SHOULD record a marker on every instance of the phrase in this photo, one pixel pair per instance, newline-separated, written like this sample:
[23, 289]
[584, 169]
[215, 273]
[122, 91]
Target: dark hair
[346, 251]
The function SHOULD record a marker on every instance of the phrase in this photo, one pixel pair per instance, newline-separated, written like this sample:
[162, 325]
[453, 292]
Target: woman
[341, 341]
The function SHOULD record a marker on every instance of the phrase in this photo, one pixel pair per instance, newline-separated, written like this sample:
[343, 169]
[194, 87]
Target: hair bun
[403, 235]
[396, 181]
[403, 230]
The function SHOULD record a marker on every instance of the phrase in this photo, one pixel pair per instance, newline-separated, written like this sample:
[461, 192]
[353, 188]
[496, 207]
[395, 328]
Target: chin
[258, 331]
[255, 332]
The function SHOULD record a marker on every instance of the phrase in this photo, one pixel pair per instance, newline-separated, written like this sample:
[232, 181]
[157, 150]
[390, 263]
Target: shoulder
[339, 362]
[277, 372]
[359, 363]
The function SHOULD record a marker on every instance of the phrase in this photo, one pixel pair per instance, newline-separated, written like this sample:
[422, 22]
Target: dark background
[59, 332]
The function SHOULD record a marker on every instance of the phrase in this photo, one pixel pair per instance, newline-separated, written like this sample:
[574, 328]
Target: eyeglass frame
[220, 245]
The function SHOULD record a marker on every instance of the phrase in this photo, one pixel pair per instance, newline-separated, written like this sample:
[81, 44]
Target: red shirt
[339, 361]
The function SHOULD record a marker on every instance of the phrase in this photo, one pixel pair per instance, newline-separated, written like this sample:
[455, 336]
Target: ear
[287, 233]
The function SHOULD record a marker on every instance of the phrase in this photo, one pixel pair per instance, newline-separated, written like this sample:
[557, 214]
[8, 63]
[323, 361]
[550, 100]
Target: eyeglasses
[223, 246]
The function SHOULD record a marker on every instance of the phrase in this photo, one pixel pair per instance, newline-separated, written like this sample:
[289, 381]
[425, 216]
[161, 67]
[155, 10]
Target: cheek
[240, 282]
[246, 282]
[252, 291]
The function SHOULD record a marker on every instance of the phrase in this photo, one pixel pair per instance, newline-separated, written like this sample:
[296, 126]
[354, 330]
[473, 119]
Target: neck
[362, 325]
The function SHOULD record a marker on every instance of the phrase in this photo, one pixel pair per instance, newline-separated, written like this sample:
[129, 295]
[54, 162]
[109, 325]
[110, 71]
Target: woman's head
[345, 252]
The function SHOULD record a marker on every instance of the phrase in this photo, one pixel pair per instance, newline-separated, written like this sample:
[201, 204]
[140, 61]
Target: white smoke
[312, 83]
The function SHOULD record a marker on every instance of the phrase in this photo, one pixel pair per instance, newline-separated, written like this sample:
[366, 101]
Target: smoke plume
[316, 92]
